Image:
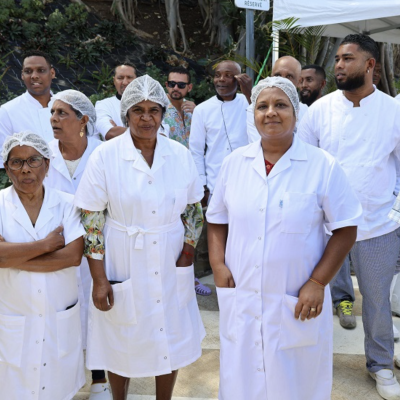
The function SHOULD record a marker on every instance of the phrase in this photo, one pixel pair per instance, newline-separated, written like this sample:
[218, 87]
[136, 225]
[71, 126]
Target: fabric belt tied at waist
[133, 230]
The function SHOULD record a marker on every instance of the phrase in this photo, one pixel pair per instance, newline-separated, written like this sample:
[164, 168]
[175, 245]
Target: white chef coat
[366, 142]
[41, 355]
[252, 132]
[276, 237]
[218, 127]
[59, 178]
[24, 113]
[155, 325]
[107, 109]
[397, 97]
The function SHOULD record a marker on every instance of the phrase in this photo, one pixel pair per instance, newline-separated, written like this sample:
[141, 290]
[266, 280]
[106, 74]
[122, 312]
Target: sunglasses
[181, 85]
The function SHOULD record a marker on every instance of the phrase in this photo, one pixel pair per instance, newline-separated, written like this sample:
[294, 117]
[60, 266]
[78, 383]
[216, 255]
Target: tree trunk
[331, 58]
[389, 68]
[384, 80]
[322, 54]
[175, 22]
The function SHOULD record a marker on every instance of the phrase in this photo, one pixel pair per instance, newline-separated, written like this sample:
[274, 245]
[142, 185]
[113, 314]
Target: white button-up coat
[276, 237]
[154, 326]
[41, 355]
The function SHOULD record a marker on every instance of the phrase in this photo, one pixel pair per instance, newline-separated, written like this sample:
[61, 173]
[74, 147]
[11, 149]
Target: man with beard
[219, 124]
[29, 111]
[359, 126]
[312, 83]
[179, 112]
[108, 122]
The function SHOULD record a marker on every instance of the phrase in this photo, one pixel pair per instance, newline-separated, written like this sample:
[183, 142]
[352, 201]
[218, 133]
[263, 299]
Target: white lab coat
[41, 355]
[365, 141]
[106, 109]
[59, 178]
[276, 238]
[155, 325]
[217, 128]
[24, 113]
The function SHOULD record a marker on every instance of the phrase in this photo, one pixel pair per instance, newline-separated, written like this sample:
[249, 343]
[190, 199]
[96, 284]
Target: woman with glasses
[73, 119]
[144, 319]
[40, 240]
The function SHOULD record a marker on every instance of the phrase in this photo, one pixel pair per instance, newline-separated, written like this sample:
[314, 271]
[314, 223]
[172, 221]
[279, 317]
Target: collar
[221, 99]
[32, 100]
[118, 96]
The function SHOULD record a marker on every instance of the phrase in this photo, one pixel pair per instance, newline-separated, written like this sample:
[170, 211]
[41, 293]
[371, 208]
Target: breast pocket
[294, 332]
[185, 285]
[12, 330]
[298, 212]
[69, 330]
[123, 311]
[180, 203]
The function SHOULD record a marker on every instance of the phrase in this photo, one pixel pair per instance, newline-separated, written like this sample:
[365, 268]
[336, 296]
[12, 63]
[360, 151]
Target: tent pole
[250, 45]
[275, 45]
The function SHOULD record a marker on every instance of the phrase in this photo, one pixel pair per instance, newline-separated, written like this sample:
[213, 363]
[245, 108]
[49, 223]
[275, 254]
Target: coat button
[165, 357]
[150, 182]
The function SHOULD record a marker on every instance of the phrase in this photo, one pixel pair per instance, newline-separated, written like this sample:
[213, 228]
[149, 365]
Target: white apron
[59, 178]
[155, 325]
[276, 237]
[41, 354]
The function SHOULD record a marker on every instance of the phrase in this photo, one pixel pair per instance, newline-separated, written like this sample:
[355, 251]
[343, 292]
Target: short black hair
[365, 43]
[180, 70]
[318, 70]
[126, 63]
[37, 53]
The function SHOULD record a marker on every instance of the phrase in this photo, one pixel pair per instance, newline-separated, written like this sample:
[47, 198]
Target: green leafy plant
[104, 77]
[67, 60]
[56, 20]
[86, 53]
[32, 9]
[156, 74]
[76, 12]
[4, 181]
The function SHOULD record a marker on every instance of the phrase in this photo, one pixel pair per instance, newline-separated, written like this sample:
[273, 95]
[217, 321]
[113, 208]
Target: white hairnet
[282, 83]
[25, 138]
[81, 103]
[140, 89]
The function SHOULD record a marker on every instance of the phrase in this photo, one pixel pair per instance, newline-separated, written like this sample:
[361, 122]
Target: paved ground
[199, 381]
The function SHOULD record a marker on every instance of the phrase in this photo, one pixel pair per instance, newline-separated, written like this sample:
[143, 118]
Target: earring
[82, 132]
[368, 71]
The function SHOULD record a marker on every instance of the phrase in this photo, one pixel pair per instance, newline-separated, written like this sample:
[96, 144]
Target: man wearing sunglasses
[179, 112]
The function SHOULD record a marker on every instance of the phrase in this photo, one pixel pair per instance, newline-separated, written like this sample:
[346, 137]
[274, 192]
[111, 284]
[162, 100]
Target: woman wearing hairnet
[73, 119]
[267, 218]
[144, 319]
[41, 354]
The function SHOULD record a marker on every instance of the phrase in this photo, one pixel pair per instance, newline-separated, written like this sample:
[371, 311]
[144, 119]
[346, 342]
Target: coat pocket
[185, 285]
[123, 311]
[69, 330]
[298, 212]
[12, 329]
[294, 332]
[227, 313]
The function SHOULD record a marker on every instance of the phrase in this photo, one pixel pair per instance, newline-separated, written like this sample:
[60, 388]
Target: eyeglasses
[16, 163]
[181, 85]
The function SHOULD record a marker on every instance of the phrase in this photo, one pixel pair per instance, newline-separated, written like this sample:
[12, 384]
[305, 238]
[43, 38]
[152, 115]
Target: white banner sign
[261, 5]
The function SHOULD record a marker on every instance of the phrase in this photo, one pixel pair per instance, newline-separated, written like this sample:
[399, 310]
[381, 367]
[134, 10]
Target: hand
[245, 84]
[188, 106]
[186, 257]
[112, 123]
[311, 295]
[55, 240]
[223, 277]
[103, 296]
[204, 200]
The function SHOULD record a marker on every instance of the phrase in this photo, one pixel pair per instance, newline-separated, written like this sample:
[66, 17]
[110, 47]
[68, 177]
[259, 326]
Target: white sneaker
[386, 384]
[100, 391]
[396, 333]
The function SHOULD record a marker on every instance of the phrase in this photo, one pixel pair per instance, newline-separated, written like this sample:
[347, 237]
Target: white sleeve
[73, 229]
[217, 213]
[5, 129]
[103, 117]
[306, 131]
[252, 133]
[92, 190]
[196, 190]
[340, 203]
[197, 143]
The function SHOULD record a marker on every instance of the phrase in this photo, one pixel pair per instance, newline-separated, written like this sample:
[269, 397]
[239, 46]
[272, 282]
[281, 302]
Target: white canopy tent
[378, 18]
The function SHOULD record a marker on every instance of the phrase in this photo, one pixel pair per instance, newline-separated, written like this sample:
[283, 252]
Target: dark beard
[352, 83]
[310, 99]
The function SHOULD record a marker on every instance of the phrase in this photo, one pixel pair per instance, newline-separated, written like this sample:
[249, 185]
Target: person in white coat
[41, 354]
[144, 319]
[272, 202]
[73, 119]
